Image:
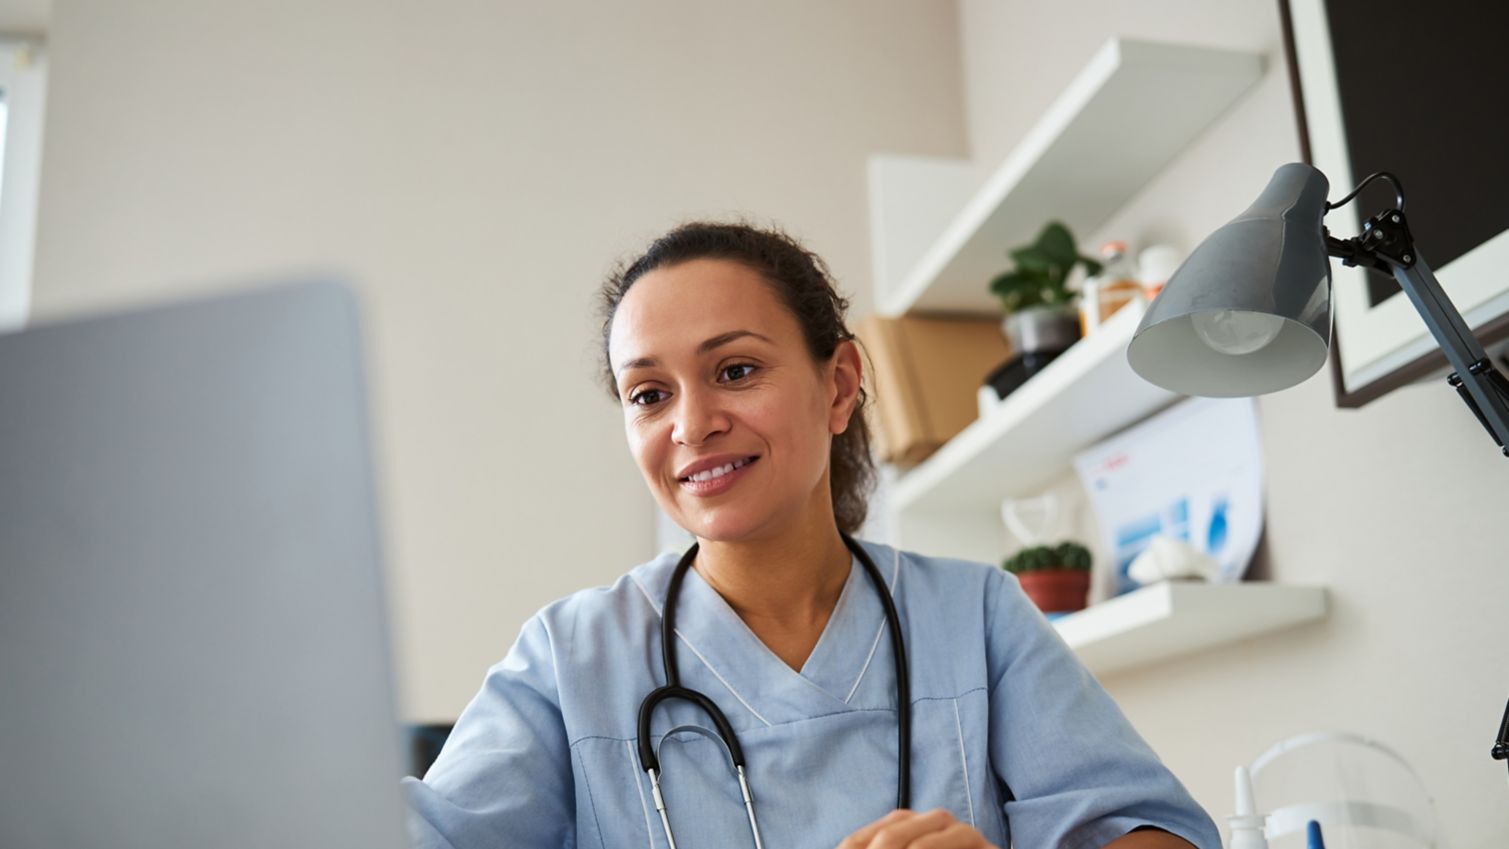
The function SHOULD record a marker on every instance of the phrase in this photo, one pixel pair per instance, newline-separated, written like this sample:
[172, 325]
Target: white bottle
[1247, 825]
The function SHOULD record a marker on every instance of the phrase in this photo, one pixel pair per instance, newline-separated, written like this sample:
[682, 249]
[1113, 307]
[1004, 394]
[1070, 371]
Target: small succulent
[1064, 557]
[1042, 271]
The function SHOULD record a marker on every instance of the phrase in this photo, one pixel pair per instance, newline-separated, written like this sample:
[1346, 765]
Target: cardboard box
[926, 373]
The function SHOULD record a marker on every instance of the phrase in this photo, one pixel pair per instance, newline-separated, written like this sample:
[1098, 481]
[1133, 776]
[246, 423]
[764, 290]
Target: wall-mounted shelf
[1129, 113]
[1031, 437]
[1174, 618]
[940, 234]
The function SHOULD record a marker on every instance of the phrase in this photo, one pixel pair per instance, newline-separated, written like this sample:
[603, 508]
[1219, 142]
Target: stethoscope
[674, 690]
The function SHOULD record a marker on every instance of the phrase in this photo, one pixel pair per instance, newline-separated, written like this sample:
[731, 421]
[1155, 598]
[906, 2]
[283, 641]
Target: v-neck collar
[850, 650]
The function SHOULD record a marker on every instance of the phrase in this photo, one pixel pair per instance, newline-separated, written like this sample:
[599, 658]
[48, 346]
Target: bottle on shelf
[1155, 264]
[1114, 287]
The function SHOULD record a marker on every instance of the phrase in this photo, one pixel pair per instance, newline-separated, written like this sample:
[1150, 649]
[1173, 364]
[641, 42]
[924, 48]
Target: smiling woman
[841, 687]
[735, 281]
[726, 347]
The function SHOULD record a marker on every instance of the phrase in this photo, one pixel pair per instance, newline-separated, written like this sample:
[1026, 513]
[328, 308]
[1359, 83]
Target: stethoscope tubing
[674, 691]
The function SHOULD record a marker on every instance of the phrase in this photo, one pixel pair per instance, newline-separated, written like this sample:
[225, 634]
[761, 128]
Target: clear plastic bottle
[1116, 264]
[1114, 287]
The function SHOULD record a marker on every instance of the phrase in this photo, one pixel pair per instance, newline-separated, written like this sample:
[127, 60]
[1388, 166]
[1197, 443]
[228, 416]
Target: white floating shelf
[1126, 116]
[1030, 438]
[1175, 618]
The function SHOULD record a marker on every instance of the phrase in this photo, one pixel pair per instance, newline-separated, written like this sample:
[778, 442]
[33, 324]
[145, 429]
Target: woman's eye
[645, 398]
[738, 371]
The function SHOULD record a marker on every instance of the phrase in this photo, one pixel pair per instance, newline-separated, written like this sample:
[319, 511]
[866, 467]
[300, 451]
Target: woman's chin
[720, 533]
[724, 526]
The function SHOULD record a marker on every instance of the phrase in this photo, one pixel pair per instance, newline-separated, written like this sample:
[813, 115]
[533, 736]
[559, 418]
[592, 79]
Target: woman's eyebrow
[715, 342]
[724, 338]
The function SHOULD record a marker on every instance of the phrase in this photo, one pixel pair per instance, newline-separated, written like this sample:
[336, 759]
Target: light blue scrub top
[1009, 731]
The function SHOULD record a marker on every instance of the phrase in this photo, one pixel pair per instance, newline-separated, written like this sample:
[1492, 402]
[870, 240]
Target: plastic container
[1114, 287]
[1155, 265]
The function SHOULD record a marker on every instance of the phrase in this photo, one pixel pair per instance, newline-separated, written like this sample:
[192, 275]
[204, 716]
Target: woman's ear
[848, 374]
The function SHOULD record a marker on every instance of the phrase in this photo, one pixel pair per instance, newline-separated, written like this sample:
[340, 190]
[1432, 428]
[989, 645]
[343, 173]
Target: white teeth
[718, 472]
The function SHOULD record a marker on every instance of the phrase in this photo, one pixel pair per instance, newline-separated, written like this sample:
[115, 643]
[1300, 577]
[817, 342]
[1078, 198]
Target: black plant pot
[1037, 336]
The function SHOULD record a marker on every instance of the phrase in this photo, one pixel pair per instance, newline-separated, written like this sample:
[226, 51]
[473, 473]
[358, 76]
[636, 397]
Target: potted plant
[1055, 577]
[1040, 314]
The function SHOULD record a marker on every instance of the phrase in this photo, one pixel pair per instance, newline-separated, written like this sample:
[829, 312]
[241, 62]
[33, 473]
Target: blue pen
[1312, 835]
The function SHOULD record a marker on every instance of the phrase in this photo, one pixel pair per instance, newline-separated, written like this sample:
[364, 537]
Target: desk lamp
[1250, 311]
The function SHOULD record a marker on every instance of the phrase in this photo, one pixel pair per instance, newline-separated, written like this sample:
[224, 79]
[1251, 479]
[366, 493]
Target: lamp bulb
[1237, 332]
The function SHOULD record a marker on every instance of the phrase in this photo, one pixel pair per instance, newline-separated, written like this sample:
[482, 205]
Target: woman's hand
[903, 829]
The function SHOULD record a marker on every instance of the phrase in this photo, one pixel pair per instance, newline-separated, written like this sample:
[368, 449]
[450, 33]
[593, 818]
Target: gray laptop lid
[193, 650]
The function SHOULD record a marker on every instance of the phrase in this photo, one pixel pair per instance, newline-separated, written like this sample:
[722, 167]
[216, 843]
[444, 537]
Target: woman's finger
[899, 835]
[861, 838]
[957, 836]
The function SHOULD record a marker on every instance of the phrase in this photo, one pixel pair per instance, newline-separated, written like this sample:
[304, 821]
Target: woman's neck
[782, 585]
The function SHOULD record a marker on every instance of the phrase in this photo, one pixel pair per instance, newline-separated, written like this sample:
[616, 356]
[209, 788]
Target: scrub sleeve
[504, 776]
[1076, 774]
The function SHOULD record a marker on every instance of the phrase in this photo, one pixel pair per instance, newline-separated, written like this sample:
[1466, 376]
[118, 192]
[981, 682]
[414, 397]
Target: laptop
[193, 647]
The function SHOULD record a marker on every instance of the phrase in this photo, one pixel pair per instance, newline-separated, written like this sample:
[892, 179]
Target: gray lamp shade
[1250, 311]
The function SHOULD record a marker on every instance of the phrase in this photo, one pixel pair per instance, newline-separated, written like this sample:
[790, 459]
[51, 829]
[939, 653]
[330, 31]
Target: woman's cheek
[641, 444]
[766, 410]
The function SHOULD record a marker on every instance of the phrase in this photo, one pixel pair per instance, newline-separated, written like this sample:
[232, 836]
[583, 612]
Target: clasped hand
[904, 829]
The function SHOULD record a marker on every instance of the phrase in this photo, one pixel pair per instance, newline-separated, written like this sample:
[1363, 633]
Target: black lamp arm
[1501, 745]
[1386, 246]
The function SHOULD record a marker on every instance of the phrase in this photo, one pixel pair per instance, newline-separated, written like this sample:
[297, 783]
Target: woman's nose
[698, 416]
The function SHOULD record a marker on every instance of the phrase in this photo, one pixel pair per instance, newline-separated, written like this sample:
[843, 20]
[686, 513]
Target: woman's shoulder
[934, 573]
[951, 586]
[625, 605]
[941, 590]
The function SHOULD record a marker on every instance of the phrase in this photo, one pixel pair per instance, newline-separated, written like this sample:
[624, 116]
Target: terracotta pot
[1058, 591]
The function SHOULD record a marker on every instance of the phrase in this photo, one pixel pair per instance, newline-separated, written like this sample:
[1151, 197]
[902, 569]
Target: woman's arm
[504, 776]
[1072, 770]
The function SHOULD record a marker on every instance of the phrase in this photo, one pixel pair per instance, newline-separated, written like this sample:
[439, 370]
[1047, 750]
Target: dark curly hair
[804, 284]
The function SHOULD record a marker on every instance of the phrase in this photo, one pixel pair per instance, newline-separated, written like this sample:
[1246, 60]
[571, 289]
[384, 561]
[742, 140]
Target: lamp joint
[1353, 252]
[1387, 236]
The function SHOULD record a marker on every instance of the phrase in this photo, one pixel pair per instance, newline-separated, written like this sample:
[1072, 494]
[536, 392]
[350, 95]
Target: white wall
[476, 167]
[24, 17]
[1398, 507]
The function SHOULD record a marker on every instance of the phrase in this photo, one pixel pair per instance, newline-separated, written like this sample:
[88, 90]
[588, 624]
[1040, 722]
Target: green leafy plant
[1042, 271]
[1064, 557]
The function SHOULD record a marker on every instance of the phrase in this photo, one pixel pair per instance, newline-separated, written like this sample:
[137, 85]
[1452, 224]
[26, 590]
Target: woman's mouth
[719, 480]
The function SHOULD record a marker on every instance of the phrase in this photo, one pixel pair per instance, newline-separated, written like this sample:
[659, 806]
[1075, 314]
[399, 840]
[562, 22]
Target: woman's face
[712, 372]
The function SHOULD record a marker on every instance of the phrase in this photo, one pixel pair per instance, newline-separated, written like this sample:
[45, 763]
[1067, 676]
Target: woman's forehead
[671, 310]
